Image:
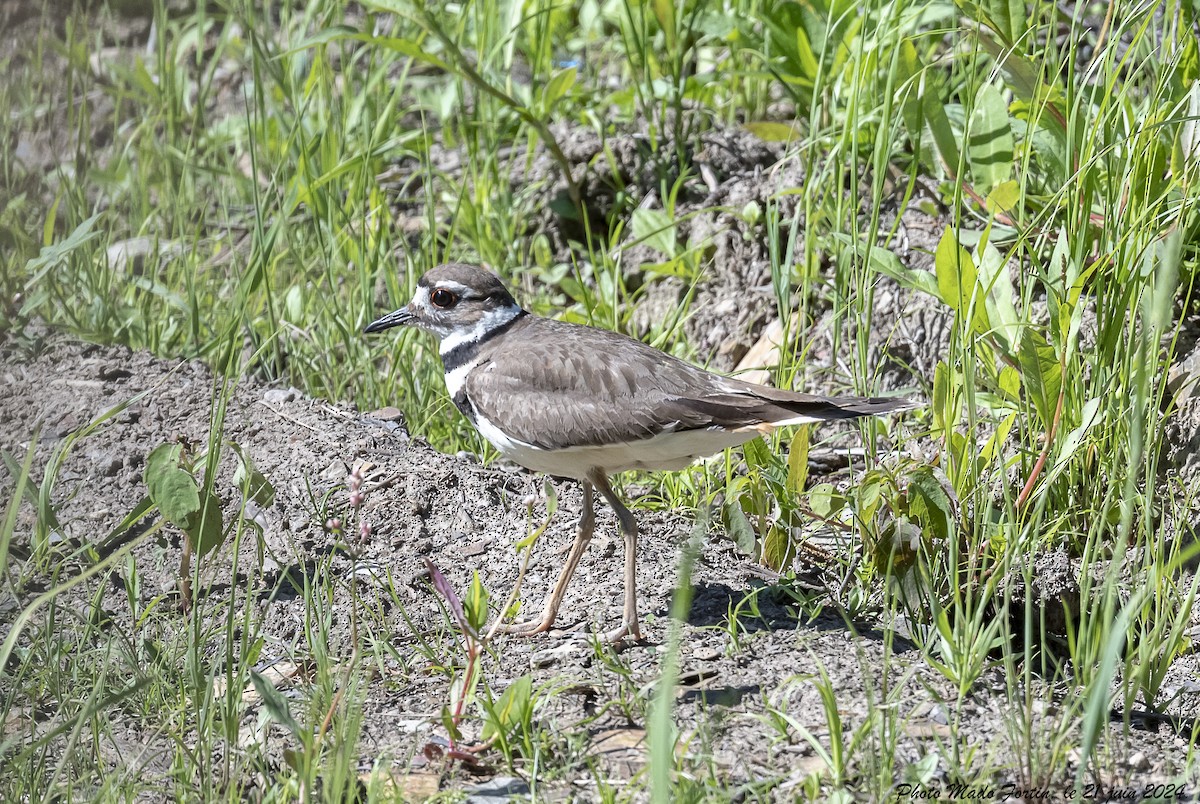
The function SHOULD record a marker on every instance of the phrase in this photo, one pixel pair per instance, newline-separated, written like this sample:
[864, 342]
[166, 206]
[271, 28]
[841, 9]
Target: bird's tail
[748, 406]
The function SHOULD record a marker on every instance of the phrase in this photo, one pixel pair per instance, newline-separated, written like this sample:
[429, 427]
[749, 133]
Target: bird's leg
[629, 614]
[587, 524]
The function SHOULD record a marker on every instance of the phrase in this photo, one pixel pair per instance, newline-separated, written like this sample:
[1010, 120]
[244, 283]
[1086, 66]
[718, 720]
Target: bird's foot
[527, 627]
[628, 628]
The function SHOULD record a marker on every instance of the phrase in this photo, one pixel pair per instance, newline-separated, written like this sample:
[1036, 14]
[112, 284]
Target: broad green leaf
[956, 275]
[771, 132]
[994, 447]
[824, 500]
[664, 12]
[809, 68]
[251, 481]
[1024, 76]
[929, 502]
[944, 414]
[1001, 308]
[475, 606]
[172, 489]
[870, 495]
[797, 462]
[756, 453]
[777, 549]
[558, 86]
[52, 255]
[513, 709]
[1004, 196]
[991, 140]
[655, 228]
[1010, 383]
[910, 68]
[205, 528]
[737, 526]
[1006, 17]
[275, 705]
[939, 126]
[885, 262]
[1041, 373]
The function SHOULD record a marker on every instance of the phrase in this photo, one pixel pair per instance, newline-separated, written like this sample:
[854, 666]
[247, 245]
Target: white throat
[490, 321]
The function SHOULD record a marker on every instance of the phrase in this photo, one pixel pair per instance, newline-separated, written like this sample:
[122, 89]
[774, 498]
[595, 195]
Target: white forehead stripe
[490, 320]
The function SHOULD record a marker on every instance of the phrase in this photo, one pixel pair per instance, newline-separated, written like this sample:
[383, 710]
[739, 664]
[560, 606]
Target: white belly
[666, 451]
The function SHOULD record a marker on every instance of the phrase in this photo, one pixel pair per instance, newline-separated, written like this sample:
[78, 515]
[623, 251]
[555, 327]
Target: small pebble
[108, 372]
[278, 396]
[387, 414]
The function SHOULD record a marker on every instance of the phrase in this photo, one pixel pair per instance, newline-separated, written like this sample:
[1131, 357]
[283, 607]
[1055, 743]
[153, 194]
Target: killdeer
[585, 403]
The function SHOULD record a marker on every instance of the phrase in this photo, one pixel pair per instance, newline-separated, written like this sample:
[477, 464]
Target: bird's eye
[443, 298]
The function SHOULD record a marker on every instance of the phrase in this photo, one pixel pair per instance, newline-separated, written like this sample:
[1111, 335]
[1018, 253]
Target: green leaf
[1004, 196]
[475, 607]
[999, 301]
[52, 255]
[885, 262]
[274, 703]
[994, 447]
[172, 489]
[557, 87]
[1007, 17]
[1009, 382]
[664, 12]
[870, 495]
[252, 482]
[1040, 373]
[1088, 418]
[957, 280]
[768, 131]
[756, 454]
[990, 144]
[910, 68]
[205, 529]
[513, 710]
[777, 548]
[806, 58]
[929, 502]
[1024, 75]
[939, 126]
[737, 526]
[656, 229]
[944, 414]
[824, 500]
[797, 461]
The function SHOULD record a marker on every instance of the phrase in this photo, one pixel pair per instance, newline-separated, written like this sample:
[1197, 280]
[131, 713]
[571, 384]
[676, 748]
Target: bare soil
[466, 518]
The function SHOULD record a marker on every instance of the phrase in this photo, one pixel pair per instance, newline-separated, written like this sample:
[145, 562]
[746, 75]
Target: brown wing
[583, 386]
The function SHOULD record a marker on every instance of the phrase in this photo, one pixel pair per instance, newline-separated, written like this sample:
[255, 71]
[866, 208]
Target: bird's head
[456, 302]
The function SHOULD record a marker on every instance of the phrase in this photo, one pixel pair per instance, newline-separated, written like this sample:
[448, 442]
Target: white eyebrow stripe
[457, 287]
